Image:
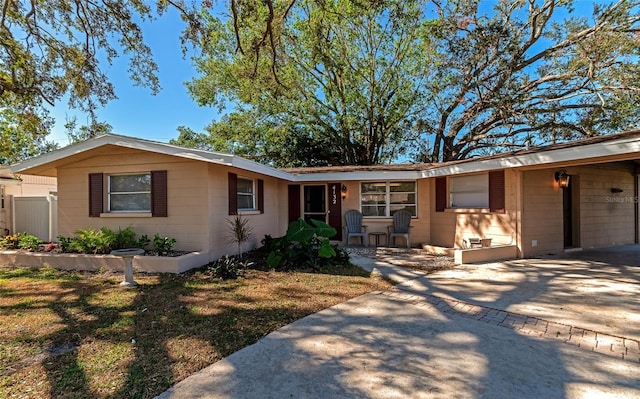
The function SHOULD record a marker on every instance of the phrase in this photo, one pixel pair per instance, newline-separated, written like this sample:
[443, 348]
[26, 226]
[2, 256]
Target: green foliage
[304, 245]
[77, 134]
[102, 241]
[29, 242]
[340, 84]
[23, 132]
[91, 241]
[351, 82]
[239, 232]
[23, 240]
[128, 238]
[228, 267]
[163, 245]
[53, 50]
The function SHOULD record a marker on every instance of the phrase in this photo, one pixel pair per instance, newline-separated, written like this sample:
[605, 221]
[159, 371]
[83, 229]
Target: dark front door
[335, 209]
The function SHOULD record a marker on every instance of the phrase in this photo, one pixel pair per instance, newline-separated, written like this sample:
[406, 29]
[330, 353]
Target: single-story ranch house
[515, 199]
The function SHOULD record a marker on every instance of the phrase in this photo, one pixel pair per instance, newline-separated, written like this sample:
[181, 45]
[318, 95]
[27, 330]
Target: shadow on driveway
[400, 344]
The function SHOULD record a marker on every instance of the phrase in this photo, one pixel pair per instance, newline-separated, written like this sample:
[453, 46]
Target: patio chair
[354, 227]
[401, 227]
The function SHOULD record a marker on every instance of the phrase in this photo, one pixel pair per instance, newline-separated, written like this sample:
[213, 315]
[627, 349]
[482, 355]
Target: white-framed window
[384, 198]
[469, 191]
[246, 192]
[129, 192]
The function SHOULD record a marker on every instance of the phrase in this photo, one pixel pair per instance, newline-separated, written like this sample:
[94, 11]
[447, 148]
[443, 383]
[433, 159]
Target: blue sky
[137, 112]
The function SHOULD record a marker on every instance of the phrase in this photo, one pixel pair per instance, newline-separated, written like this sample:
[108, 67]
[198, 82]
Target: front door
[315, 203]
[325, 208]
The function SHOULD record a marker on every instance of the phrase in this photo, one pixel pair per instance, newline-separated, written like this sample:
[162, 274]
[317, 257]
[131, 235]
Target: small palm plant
[239, 232]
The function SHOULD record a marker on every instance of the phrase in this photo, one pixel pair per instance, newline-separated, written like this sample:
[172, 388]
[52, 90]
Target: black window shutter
[96, 196]
[441, 194]
[159, 193]
[233, 193]
[261, 195]
[496, 191]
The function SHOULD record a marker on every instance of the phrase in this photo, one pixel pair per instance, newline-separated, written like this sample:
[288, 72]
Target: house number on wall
[334, 194]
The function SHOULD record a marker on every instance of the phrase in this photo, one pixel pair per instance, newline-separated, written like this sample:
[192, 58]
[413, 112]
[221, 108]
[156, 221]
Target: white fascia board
[246, 164]
[570, 154]
[144, 145]
[359, 176]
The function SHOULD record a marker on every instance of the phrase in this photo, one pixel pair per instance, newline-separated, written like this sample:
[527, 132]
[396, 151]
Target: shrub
[103, 241]
[163, 245]
[127, 238]
[24, 241]
[228, 267]
[29, 242]
[10, 241]
[90, 241]
[304, 245]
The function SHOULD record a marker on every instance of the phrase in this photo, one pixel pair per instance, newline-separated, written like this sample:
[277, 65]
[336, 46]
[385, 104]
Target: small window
[1, 197]
[383, 199]
[129, 193]
[246, 194]
[469, 191]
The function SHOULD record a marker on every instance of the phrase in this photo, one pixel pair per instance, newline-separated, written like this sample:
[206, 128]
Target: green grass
[81, 335]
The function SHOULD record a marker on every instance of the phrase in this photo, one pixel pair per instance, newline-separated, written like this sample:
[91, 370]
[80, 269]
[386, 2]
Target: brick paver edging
[594, 341]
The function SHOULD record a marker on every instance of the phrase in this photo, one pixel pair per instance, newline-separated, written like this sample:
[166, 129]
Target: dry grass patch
[80, 335]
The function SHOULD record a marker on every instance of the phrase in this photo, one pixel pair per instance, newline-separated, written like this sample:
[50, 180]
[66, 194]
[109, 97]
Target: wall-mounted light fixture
[616, 190]
[344, 191]
[562, 178]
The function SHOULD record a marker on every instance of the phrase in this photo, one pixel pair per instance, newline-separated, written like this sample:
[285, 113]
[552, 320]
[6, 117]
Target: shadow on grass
[137, 342]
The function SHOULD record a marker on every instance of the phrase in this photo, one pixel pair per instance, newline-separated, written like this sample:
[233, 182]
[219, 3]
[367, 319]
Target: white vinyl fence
[37, 216]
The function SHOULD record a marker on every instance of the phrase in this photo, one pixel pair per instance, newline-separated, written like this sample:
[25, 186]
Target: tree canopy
[522, 74]
[334, 82]
[52, 50]
[372, 82]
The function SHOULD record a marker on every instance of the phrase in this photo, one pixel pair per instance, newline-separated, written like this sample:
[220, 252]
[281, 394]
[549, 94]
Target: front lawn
[81, 335]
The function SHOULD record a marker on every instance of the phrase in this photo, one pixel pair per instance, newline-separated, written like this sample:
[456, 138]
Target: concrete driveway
[535, 328]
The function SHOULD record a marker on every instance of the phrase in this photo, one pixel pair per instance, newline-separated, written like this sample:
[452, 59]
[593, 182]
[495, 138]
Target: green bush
[128, 238]
[163, 245]
[90, 241]
[29, 242]
[304, 245]
[25, 241]
[102, 241]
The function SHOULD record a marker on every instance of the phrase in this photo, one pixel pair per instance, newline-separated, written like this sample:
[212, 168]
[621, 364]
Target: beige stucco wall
[186, 196]
[604, 218]
[32, 186]
[451, 227]
[260, 224]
